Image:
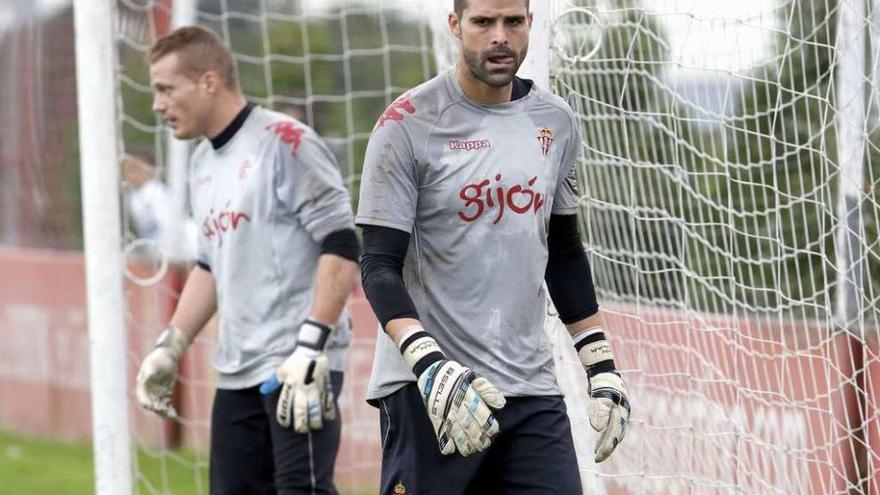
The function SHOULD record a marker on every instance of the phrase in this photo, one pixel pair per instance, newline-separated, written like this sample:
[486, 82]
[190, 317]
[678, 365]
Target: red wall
[759, 406]
[723, 402]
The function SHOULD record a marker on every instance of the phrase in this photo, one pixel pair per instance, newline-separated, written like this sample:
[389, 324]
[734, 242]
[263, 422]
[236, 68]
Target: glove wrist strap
[174, 340]
[313, 335]
[594, 351]
[420, 351]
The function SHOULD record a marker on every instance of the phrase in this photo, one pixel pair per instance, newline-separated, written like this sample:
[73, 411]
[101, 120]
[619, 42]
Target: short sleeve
[203, 243]
[203, 249]
[309, 185]
[566, 199]
[389, 181]
[203, 255]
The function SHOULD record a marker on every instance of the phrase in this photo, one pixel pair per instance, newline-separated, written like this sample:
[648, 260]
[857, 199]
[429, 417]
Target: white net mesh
[740, 280]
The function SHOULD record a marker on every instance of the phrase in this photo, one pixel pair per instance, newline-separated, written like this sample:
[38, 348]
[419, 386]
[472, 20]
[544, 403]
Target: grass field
[36, 467]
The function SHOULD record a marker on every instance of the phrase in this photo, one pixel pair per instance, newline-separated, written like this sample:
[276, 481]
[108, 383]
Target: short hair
[460, 5]
[199, 50]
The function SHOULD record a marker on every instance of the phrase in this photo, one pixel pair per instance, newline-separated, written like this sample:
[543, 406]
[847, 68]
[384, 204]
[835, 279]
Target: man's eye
[514, 22]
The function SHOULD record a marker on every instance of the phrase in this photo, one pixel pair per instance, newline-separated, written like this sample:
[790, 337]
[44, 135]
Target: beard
[476, 63]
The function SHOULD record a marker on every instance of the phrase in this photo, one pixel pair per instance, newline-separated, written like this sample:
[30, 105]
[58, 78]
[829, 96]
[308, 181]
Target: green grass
[39, 467]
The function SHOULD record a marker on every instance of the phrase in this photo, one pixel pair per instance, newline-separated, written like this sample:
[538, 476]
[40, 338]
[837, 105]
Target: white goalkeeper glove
[306, 398]
[457, 399]
[158, 373]
[609, 408]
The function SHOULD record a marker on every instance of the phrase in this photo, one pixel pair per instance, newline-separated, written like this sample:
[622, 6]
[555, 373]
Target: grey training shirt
[474, 185]
[264, 201]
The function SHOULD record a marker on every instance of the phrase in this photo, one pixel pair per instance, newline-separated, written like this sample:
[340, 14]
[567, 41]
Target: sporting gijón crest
[545, 139]
[395, 111]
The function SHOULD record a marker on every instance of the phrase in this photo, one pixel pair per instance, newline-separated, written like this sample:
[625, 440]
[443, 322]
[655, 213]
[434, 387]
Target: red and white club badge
[545, 138]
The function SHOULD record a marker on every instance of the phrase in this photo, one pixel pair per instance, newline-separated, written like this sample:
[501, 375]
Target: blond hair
[199, 50]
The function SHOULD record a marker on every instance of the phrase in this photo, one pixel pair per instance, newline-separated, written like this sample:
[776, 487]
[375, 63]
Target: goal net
[730, 212]
[730, 209]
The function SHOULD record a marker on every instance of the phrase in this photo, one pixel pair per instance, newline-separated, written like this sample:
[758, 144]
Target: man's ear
[454, 25]
[210, 82]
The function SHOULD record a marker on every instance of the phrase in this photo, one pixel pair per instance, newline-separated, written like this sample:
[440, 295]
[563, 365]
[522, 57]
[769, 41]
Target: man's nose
[158, 104]
[499, 34]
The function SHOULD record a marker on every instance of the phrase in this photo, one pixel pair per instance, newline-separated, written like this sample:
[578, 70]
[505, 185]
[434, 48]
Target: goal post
[99, 162]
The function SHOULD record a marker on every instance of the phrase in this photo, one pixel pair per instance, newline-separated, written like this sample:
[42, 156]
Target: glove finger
[166, 409]
[459, 437]
[444, 438]
[153, 383]
[611, 436]
[489, 393]
[156, 399]
[485, 419]
[300, 409]
[599, 410]
[474, 424]
[624, 422]
[316, 413]
[142, 396]
[285, 406]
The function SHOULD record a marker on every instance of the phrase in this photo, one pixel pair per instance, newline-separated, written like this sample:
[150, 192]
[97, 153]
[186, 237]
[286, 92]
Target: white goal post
[99, 157]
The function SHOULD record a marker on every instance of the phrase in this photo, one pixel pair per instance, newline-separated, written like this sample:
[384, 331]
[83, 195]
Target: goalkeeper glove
[609, 408]
[457, 399]
[306, 395]
[158, 373]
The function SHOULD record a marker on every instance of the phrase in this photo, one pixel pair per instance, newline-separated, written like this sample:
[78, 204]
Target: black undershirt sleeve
[342, 243]
[382, 273]
[568, 273]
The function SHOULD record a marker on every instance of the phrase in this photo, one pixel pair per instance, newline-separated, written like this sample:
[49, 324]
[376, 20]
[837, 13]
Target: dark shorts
[533, 454]
[251, 454]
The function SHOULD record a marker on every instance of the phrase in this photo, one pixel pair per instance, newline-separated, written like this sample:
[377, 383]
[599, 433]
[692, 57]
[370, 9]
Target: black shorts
[533, 453]
[251, 454]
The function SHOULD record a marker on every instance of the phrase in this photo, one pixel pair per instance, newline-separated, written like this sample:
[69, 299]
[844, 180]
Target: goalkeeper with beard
[468, 205]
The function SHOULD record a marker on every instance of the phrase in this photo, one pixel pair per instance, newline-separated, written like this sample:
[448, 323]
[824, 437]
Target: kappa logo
[469, 145]
[290, 134]
[394, 112]
[545, 139]
[399, 489]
